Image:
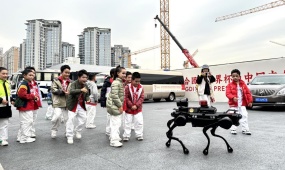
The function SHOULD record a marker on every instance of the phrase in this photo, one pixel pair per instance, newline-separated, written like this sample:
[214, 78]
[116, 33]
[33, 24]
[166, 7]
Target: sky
[132, 25]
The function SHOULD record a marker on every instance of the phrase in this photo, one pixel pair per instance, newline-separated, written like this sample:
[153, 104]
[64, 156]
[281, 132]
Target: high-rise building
[11, 60]
[95, 46]
[22, 55]
[68, 50]
[1, 55]
[43, 43]
[119, 56]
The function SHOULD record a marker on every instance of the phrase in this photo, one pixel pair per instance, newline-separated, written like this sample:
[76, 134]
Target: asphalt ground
[263, 150]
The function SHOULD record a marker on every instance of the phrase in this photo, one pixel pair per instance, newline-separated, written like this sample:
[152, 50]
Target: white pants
[78, 117]
[138, 124]
[4, 128]
[35, 115]
[244, 120]
[206, 97]
[108, 128]
[115, 124]
[91, 114]
[57, 116]
[49, 113]
[26, 123]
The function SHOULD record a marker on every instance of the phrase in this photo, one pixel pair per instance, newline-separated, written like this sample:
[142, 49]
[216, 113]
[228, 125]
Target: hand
[134, 107]
[4, 101]
[36, 98]
[235, 99]
[84, 90]
[121, 110]
[66, 92]
[12, 103]
[89, 101]
[249, 104]
[203, 74]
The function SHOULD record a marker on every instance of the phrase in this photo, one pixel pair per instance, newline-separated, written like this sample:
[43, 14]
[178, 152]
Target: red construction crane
[256, 9]
[184, 51]
[186, 63]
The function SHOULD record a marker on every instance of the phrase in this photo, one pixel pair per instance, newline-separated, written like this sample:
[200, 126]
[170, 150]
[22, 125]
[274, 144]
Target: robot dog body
[201, 117]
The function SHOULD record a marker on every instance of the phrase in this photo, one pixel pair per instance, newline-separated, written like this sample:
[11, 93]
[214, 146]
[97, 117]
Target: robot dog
[206, 117]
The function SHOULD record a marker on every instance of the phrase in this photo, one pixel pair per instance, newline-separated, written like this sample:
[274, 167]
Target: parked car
[268, 90]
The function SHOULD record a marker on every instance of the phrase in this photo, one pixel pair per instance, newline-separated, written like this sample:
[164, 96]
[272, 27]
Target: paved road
[263, 150]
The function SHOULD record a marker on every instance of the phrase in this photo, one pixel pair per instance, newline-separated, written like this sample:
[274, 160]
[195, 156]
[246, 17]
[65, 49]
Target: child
[5, 106]
[49, 112]
[104, 94]
[78, 95]
[91, 107]
[134, 99]
[239, 97]
[115, 103]
[204, 88]
[59, 96]
[36, 91]
[128, 80]
[26, 102]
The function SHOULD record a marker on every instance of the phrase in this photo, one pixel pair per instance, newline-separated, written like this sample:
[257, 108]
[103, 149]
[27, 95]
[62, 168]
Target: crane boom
[256, 9]
[184, 51]
[144, 50]
[277, 43]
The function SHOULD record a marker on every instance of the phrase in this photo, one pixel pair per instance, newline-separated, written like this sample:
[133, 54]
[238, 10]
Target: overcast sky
[191, 21]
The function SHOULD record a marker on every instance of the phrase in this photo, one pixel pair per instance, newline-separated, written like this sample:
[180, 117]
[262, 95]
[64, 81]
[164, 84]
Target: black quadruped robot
[203, 116]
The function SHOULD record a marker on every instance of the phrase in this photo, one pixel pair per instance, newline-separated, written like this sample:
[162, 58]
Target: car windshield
[268, 80]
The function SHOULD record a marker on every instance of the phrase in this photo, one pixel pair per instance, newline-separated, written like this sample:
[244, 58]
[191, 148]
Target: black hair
[81, 72]
[112, 72]
[136, 75]
[235, 71]
[128, 73]
[2, 68]
[30, 68]
[118, 70]
[26, 71]
[91, 76]
[63, 67]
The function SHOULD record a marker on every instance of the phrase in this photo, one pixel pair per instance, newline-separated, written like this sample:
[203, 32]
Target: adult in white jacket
[91, 106]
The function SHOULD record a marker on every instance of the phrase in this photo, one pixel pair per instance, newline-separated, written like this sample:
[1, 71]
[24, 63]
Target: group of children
[74, 103]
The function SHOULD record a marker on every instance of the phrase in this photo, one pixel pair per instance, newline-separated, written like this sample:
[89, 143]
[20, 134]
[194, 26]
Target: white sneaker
[140, 138]
[90, 126]
[234, 132]
[78, 135]
[28, 140]
[53, 134]
[33, 135]
[246, 132]
[70, 140]
[4, 143]
[18, 140]
[126, 139]
[116, 144]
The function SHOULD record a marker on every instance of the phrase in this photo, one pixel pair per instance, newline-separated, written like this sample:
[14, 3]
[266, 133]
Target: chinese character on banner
[186, 81]
[218, 79]
[194, 80]
[227, 78]
[259, 73]
[273, 72]
[248, 76]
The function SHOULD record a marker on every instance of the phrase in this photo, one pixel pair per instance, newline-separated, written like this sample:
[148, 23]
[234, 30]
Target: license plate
[261, 100]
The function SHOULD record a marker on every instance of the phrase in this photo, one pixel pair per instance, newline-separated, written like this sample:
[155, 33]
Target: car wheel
[171, 97]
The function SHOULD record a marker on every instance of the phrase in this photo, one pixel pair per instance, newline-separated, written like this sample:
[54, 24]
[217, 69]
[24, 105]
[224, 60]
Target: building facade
[95, 46]
[43, 43]
[119, 56]
[11, 60]
[68, 50]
